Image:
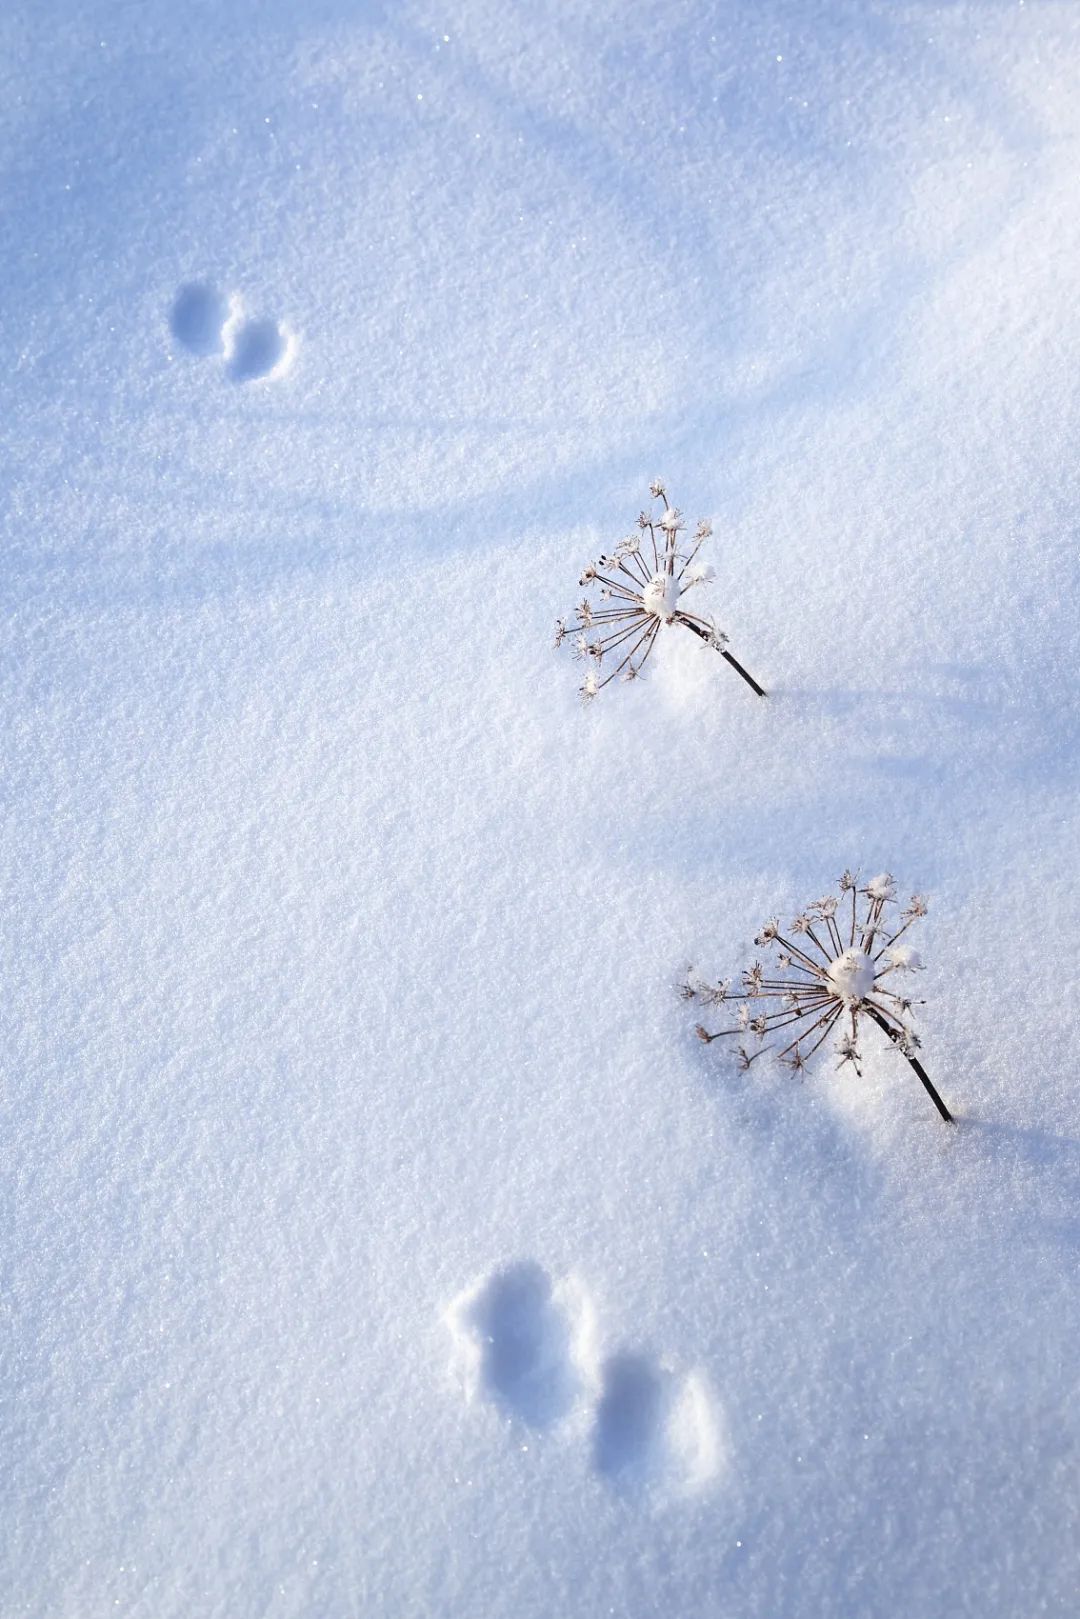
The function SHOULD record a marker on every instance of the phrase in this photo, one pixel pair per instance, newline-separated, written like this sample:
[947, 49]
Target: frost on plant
[641, 587]
[839, 966]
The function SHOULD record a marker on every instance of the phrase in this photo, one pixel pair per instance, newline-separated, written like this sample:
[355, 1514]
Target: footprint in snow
[527, 1344]
[207, 322]
[257, 349]
[198, 318]
[521, 1341]
[654, 1429]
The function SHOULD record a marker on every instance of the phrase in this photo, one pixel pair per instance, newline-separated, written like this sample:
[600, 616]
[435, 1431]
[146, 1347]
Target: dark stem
[734, 662]
[914, 1061]
[739, 670]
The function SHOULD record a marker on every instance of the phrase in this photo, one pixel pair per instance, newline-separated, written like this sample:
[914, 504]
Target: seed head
[643, 586]
[839, 973]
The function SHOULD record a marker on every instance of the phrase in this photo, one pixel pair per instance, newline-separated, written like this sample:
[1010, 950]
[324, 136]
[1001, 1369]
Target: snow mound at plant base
[378, 1236]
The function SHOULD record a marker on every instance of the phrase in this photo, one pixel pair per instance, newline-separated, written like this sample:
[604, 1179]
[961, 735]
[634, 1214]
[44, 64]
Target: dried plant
[841, 969]
[641, 587]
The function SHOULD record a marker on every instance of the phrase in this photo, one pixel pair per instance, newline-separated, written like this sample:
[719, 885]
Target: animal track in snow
[256, 349]
[527, 1344]
[653, 1428]
[522, 1340]
[207, 322]
[198, 318]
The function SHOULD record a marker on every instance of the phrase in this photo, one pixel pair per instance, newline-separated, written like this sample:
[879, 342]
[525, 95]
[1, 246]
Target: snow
[903, 958]
[661, 597]
[851, 975]
[378, 1238]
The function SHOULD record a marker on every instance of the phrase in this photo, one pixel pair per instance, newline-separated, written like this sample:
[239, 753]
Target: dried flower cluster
[641, 587]
[840, 969]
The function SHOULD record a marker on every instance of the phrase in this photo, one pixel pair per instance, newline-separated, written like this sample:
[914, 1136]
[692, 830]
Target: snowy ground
[377, 1236]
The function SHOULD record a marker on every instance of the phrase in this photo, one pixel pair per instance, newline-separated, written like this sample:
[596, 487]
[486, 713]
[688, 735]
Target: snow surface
[378, 1238]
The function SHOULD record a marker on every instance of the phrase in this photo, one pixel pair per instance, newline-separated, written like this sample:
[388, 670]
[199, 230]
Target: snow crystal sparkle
[839, 969]
[642, 585]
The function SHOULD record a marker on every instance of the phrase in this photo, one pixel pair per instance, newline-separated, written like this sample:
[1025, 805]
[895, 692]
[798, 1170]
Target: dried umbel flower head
[838, 966]
[641, 588]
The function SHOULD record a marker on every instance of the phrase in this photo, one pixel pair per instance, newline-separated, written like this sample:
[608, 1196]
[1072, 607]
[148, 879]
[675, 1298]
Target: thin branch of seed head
[620, 636]
[653, 636]
[825, 956]
[699, 541]
[828, 1018]
[618, 586]
[890, 942]
[904, 1002]
[830, 1025]
[618, 670]
[794, 950]
[611, 615]
[774, 1020]
[639, 564]
[871, 1005]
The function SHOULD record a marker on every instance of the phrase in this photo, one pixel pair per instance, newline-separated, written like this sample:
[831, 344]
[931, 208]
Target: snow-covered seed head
[841, 970]
[658, 489]
[850, 977]
[641, 587]
[661, 597]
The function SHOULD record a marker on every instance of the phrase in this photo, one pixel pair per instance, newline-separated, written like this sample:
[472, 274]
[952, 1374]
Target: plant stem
[739, 670]
[734, 662]
[914, 1061]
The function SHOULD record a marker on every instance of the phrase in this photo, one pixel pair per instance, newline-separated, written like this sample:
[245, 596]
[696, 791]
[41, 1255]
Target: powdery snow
[378, 1237]
[851, 975]
[661, 596]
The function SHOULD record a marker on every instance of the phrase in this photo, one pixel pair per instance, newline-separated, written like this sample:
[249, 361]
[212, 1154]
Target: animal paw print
[199, 317]
[526, 1343]
[206, 322]
[522, 1341]
[653, 1428]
